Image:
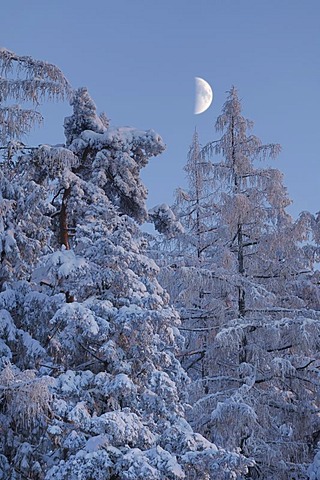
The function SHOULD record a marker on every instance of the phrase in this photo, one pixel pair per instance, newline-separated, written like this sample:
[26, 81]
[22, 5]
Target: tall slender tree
[260, 235]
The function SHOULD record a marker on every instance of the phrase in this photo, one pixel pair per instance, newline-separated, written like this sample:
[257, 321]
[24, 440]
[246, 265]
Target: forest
[188, 353]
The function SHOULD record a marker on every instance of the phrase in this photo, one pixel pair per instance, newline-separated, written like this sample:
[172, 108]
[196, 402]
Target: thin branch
[196, 360]
[57, 195]
[91, 353]
[279, 349]
[194, 352]
[51, 367]
[208, 329]
[307, 365]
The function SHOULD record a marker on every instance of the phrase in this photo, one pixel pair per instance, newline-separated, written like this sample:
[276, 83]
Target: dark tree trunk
[64, 232]
[241, 299]
[64, 235]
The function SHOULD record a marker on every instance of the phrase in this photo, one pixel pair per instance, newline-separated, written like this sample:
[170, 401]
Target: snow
[33, 347]
[80, 415]
[95, 443]
[165, 220]
[54, 430]
[90, 339]
[61, 263]
[314, 468]
[123, 428]
[73, 382]
[7, 327]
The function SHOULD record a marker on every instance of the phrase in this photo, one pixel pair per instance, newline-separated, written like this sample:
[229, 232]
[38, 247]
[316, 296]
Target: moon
[203, 97]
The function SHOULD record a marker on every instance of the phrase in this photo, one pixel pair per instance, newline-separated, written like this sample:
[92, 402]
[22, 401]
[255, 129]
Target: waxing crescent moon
[203, 97]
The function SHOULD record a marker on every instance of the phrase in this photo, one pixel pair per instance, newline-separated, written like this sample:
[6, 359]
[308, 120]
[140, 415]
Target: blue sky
[139, 58]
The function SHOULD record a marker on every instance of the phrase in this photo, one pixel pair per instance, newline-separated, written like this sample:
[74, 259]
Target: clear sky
[139, 58]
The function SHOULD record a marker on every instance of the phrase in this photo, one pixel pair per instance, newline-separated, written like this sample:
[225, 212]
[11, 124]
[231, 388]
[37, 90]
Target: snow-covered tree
[90, 386]
[189, 271]
[28, 82]
[254, 231]
[242, 275]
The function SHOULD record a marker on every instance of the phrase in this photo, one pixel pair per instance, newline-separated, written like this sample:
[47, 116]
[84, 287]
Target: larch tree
[29, 82]
[261, 238]
[188, 269]
[241, 276]
[90, 386]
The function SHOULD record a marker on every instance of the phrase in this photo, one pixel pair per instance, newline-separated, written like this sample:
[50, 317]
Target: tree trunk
[241, 298]
[241, 291]
[241, 303]
[64, 235]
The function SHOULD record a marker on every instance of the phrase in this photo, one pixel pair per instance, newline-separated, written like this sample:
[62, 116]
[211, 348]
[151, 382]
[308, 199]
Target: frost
[243, 275]
[314, 468]
[95, 443]
[7, 327]
[84, 465]
[27, 397]
[60, 264]
[231, 410]
[34, 81]
[165, 220]
[283, 367]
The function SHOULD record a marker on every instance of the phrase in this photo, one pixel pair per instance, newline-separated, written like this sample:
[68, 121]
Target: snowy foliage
[90, 385]
[263, 384]
[243, 276]
[84, 116]
[112, 157]
[165, 220]
[314, 469]
[29, 81]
